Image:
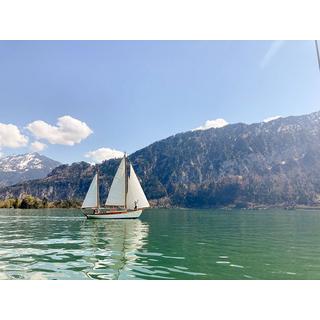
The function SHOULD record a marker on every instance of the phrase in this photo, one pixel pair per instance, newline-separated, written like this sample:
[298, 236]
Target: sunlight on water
[163, 244]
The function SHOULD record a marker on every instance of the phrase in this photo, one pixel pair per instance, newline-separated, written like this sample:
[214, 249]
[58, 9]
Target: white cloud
[11, 137]
[217, 123]
[37, 146]
[102, 154]
[68, 131]
[271, 118]
[272, 51]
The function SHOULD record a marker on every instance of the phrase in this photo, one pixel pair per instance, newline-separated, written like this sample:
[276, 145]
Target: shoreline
[258, 207]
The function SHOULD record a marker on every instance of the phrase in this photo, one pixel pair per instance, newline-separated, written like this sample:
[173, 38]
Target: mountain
[18, 168]
[273, 163]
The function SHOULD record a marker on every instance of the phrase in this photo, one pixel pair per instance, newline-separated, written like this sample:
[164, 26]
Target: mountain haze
[273, 163]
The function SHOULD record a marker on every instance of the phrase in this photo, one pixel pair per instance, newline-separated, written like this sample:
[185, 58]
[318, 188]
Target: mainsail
[92, 197]
[136, 199]
[116, 196]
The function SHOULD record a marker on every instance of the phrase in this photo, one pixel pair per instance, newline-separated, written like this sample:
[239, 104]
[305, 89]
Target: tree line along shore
[30, 202]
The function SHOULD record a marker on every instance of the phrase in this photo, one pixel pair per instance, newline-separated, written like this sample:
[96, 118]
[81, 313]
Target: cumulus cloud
[11, 137]
[102, 154]
[37, 146]
[272, 51]
[67, 131]
[271, 118]
[217, 123]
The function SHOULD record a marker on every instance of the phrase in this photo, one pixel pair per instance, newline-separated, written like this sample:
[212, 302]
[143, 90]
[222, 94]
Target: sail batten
[116, 196]
[136, 199]
[91, 200]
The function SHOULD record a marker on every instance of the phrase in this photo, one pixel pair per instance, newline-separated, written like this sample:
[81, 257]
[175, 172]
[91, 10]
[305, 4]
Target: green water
[163, 244]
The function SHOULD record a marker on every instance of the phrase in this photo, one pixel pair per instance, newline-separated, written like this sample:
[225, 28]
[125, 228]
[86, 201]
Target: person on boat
[135, 205]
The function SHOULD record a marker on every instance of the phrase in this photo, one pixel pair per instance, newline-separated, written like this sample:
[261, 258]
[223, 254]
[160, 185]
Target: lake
[162, 244]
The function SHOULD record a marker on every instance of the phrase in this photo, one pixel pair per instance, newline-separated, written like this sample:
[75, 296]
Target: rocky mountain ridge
[274, 163]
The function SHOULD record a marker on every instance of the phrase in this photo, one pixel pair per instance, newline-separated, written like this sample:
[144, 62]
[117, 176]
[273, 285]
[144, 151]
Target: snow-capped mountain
[19, 168]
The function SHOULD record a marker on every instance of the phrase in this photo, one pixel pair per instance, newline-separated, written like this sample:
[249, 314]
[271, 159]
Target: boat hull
[115, 215]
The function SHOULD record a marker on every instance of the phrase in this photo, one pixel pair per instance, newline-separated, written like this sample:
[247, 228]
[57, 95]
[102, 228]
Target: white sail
[116, 196]
[135, 193]
[91, 199]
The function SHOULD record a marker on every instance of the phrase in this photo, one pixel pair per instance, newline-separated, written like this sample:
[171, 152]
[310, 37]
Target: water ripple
[164, 244]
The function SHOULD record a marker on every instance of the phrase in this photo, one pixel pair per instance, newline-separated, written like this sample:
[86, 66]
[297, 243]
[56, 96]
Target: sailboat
[125, 200]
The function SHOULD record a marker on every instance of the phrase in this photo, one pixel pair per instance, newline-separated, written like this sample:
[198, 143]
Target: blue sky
[128, 94]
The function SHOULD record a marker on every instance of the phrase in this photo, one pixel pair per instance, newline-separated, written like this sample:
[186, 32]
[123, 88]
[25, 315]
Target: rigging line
[317, 49]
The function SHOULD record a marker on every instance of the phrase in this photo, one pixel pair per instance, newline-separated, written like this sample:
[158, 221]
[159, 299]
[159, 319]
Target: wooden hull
[115, 215]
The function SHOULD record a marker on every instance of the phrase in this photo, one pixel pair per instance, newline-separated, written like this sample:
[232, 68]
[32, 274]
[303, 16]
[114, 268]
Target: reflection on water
[163, 244]
[114, 246]
[52, 245]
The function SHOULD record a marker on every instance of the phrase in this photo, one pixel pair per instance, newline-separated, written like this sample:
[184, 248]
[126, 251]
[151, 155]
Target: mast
[98, 194]
[125, 181]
